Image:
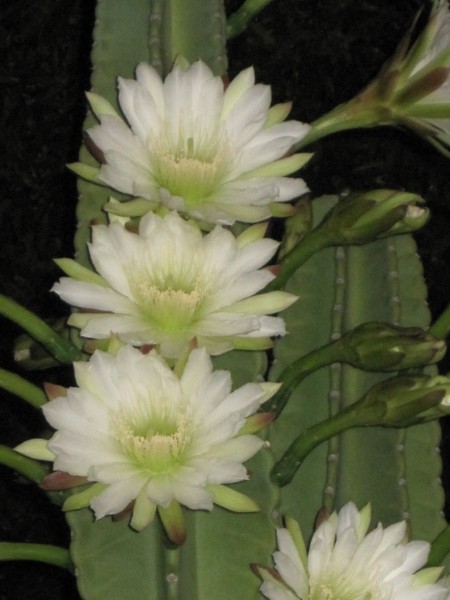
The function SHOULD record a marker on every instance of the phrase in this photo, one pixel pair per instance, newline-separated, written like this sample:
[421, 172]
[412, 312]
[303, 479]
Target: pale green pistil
[192, 171]
[169, 309]
[170, 298]
[327, 592]
[159, 449]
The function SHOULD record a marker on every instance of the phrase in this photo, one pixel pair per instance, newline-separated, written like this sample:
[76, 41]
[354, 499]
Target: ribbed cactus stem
[194, 30]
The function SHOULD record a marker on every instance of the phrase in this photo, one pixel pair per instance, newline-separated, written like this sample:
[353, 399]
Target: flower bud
[384, 347]
[363, 217]
[404, 401]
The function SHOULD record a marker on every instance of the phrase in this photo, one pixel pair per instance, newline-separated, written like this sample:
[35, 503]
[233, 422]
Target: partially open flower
[168, 284]
[345, 562]
[146, 436]
[216, 155]
[412, 89]
[421, 100]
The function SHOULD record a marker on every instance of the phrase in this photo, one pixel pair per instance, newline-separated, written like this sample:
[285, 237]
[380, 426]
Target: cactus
[339, 289]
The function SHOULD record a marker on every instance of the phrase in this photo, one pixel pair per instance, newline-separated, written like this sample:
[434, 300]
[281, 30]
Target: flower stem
[441, 327]
[294, 259]
[53, 555]
[440, 547]
[360, 112]
[28, 467]
[301, 368]
[22, 388]
[238, 21]
[63, 350]
[285, 469]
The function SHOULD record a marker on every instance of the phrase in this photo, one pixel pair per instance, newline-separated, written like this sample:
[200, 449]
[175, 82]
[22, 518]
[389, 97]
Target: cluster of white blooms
[151, 426]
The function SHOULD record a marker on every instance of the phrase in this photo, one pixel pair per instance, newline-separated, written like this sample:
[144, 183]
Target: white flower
[144, 434]
[168, 284]
[216, 155]
[345, 562]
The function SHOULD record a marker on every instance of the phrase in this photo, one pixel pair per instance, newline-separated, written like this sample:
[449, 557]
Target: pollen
[157, 451]
[194, 168]
[170, 309]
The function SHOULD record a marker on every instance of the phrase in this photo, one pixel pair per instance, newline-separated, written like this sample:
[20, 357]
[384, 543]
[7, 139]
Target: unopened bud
[363, 217]
[408, 400]
[384, 347]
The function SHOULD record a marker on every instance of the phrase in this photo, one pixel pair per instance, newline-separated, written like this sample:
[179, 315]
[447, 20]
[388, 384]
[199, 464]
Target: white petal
[239, 449]
[150, 80]
[130, 329]
[114, 135]
[140, 110]
[237, 88]
[290, 188]
[198, 368]
[248, 115]
[89, 295]
[116, 497]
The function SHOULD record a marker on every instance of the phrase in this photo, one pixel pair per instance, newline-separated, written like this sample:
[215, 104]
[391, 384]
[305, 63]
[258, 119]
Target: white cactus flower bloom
[345, 562]
[170, 286]
[142, 433]
[215, 154]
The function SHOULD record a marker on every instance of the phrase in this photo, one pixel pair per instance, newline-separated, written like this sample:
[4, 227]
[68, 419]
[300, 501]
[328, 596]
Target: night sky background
[317, 54]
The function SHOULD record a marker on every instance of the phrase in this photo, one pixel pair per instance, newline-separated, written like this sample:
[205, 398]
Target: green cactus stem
[29, 468]
[238, 21]
[46, 553]
[22, 388]
[62, 349]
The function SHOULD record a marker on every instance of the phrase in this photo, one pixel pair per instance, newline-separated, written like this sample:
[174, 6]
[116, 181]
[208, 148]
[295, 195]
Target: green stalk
[32, 469]
[63, 350]
[312, 243]
[301, 368]
[238, 21]
[22, 388]
[441, 327]
[46, 553]
[285, 469]
[362, 111]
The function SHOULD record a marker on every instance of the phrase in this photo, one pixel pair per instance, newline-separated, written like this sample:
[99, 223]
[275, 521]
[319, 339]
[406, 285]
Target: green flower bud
[385, 347]
[364, 217]
[357, 219]
[404, 401]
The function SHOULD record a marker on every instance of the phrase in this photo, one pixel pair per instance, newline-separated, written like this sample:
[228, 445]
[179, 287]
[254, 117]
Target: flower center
[192, 169]
[330, 592]
[171, 294]
[170, 309]
[158, 447]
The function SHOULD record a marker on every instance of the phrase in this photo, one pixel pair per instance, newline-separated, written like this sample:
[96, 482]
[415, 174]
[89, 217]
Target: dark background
[316, 53]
